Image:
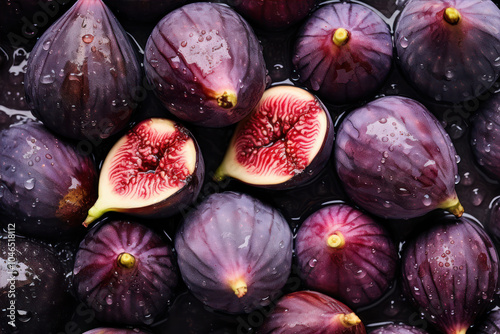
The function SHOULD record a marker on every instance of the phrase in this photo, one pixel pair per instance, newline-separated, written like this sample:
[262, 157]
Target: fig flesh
[396, 161]
[450, 272]
[124, 272]
[82, 75]
[284, 142]
[206, 64]
[150, 172]
[450, 53]
[345, 254]
[234, 252]
[311, 312]
[343, 52]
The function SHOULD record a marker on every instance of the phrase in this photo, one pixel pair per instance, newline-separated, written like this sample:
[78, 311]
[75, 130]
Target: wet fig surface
[346, 254]
[234, 252]
[489, 325]
[206, 64]
[343, 52]
[82, 75]
[450, 272]
[451, 52]
[125, 272]
[398, 329]
[395, 159]
[285, 141]
[46, 185]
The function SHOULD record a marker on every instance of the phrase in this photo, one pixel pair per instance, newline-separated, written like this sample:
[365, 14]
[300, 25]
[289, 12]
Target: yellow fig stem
[348, 320]
[126, 260]
[220, 174]
[451, 15]
[227, 100]
[340, 36]
[239, 287]
[454, 207]
[94, 213]
[336, 240]
[461, 331]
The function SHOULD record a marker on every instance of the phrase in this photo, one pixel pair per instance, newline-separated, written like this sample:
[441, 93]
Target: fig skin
[103, 330]
[147, 11]
[396, 161]
[46, 185]
[206, 64]
[83, 75]
[490, 325]
[344, 253]
[234, 252]
[266, 133]
[449, 57]
[343, 52]
[398, 329]
[450, 272]
[133, 181]
[311, 312]
[121, 258]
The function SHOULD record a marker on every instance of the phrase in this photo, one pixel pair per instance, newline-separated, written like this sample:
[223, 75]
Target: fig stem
[227, 100]
[454, 207]
[219, 174]
[239, 287]
[348, 320]
[126, 260]
[93, 213]
[340, 36]
[461, 331]
[336, 240]
[451, 15]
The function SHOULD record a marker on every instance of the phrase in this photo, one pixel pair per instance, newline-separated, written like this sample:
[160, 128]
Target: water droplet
[467, 179]
[312, 263]
[29, 183]
[449, 74]
[489, 126]
[477, 197]
[487, 149]
[46, 45]
[48, 78]
[109, 300]
[184, 44]
[385, 154]
[88, 38]
[457, 158]
[383, 121]
[404, 42]
[427, 200]
[387, 204]
[24, 316]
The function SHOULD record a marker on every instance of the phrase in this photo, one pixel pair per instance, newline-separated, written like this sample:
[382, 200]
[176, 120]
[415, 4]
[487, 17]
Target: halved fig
[395, 159]
[234, 252]
[450, 272]
[311, 312]
[398, 329]
[206, 64]
[346, 254]
[284, 142]
[150, 172]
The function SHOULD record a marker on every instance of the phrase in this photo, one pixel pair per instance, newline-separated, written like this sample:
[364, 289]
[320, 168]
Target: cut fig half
[284, 142]
[152, 171]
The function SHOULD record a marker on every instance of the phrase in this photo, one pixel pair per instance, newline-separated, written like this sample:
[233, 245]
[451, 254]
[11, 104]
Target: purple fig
[450, 272]
[147, 11]
[450, 52]
[103, 330]
[154, 170]
[82, 75]
[310, 312]
[343, 52]
[46, 185]
[395, 159]
[206, 64]
[346, 254]
[490, 325]
[284, 142]
[398, 329]
[234, 252]
[125, 272]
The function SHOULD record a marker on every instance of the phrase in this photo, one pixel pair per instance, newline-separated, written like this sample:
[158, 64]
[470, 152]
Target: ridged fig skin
[147, 11]
[233, 237]
[395, 159]
[274, 14]
[485, 137]
[197, 53]
[357, 269]
[490, 325]
[121, 295]
[343, 73]
[450, 273]
[449, 62]
[46, 185]
[103, 330]
[83, 76]
[398, 329]
[310, 312]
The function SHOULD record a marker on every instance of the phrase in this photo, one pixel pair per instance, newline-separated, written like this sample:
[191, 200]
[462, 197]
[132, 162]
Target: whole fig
[398, 329]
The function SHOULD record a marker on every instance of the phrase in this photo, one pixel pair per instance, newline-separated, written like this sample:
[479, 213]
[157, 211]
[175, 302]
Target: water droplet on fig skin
[88, 38]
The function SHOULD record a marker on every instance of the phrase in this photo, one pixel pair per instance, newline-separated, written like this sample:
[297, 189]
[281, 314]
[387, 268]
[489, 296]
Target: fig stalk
[454, 207]
[336, 240]
[239, 287]
[126, 260]
[348, 320]
[452, 16]
[340, 36]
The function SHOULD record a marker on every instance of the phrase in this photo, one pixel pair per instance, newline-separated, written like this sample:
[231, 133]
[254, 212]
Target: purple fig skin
[450, 272]
[343, 68]
[311, 312]
[440, 52]
[493, 222]
[490, 325]
[103, 276]
[345, 254]
[103, 330]
[274, 14]
[46, 185]
[398, 329]
[485, 137]
[206, 64]
[234, 252]
[395, 159]
[82, 75]
[147, 11]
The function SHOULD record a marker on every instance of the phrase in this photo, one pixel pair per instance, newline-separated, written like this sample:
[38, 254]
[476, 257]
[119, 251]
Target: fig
[234, 252]
[103, 330]
[395, 159]
[46, 185]
[274, 14]
[285, 141]
[206, 64]
[450, 272]
[485, 137]
[343, 52]
[125, 272]
[450, 53]
[311, 312]
[490, 325]
[146, 11]
[152, 171]
[398, 329]
[344, 253]
[83, 77]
